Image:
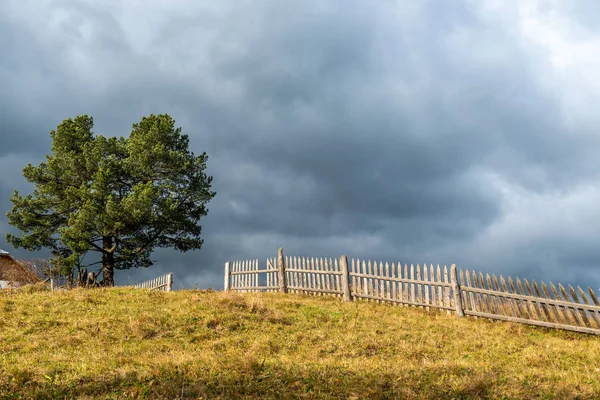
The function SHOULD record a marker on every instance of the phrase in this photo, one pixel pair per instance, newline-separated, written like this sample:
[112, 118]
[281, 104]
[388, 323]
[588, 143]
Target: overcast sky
[462, 132]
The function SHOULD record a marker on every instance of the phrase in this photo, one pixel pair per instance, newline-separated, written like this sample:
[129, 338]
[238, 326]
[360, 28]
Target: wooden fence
[430, 287]
[164, 283]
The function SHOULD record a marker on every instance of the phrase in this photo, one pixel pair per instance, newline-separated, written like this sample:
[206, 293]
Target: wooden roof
[11, 270]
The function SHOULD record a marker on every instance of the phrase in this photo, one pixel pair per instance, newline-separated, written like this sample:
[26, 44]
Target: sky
[436, 132]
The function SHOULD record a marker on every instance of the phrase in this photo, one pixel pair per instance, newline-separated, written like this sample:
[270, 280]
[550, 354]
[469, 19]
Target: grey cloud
[331, 127]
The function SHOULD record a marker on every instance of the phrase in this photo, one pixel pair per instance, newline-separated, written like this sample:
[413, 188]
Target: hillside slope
[116, 343]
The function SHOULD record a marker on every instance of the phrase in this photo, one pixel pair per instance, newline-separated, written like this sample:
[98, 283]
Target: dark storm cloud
[409, 131]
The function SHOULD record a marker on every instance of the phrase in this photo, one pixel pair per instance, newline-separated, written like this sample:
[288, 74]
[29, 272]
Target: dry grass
[123, 343]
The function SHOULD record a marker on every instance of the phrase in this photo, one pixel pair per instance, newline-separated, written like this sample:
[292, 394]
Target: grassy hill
[121, 343]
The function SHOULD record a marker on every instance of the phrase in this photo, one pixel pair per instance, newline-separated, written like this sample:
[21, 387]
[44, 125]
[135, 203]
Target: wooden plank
[380, 281]
[528, 304]
[543, 305]
[383, 281]
[462, 283]
[353, 277]
[323, 276]
[363, 271]
[289, 262]
[253, 288]
[522, 309]
[574, 314]
[405, 287]
[318, 276]
[255, 271]
[243, 276]
[291, 275]
[314, 266]
[320, 291]
[419, 286]
[535, 322]
[330, 274]
[409, 281]
[313, 276]
[325, 267]
[535, 302]
[502, 304]
[564, 314]
[426, 287]
[394, 274]
[433, 287]
[458, 305]
[487, 306]
[594, 298]
[406, 302]
[447, 300]
[304, 275]
[238, 278]
[337, 284]
[387, 281]
[247, 276]
[555, 311]
[374, 281]
[594, 316]
[369, 288]
[440, 288]
[510, 301]
[492, 297]
[299, 281]
[583, 314]
[478, 297]
[413, 297]
[268, 274]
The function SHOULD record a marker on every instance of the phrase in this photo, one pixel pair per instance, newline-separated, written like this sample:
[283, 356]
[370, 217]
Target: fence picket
[501, 303]
[511, 303]
[543, 305]
[447, 301]
[353, 290]
[575, 318]
[433, 287]
[426, 287]
[586, 301]
[583, 314]
[386, 289]
[412, 285]
[419, 286]
[440, 288]
[494, 301]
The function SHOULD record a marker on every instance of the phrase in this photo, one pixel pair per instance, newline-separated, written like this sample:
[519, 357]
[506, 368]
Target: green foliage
[120, 197]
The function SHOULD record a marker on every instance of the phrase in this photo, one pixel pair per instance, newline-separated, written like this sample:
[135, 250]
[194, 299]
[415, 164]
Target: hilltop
[118, 342]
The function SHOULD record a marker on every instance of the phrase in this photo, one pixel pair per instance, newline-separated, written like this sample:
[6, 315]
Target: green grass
[123, 343]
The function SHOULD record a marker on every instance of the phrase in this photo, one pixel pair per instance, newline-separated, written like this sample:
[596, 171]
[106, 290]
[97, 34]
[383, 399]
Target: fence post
[281, 266]
[170, 282]
[456, 289]
[345, 278]
[227, 276]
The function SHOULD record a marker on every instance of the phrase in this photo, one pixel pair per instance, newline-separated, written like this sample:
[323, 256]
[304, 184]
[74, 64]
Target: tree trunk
[108, 262]
[70, 279]
[81, 277]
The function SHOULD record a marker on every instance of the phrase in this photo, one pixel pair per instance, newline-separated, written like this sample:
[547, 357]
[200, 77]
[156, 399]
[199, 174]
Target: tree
[118, 198]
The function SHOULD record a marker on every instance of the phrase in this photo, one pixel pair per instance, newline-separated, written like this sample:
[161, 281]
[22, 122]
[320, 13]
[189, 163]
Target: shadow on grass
[278, 382]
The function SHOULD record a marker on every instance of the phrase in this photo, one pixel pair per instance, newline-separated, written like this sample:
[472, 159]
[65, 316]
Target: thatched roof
[11, 270]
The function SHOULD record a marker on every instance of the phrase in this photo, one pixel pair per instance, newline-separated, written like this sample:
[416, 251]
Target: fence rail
[430, 287]
[163, 283]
